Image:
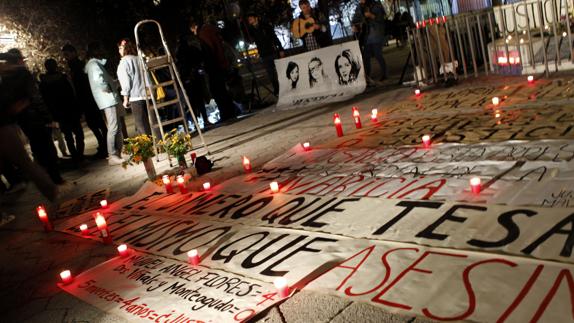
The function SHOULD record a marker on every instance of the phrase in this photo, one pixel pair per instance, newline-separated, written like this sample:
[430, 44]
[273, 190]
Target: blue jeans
[375, 49]
[114, 136]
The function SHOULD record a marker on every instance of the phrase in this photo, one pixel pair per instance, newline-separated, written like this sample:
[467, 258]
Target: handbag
[159, 92]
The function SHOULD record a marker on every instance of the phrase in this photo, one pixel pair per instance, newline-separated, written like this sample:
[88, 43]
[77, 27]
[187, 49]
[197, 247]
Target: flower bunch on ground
[139, 149]
[176, 143]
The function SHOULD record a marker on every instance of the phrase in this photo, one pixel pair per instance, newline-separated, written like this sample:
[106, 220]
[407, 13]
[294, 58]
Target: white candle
[274, 187]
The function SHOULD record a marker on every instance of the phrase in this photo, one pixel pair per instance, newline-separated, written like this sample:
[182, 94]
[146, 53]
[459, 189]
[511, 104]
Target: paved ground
[30, 259]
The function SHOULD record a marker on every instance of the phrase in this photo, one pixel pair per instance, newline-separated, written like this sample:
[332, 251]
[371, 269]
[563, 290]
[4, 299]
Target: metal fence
[521, 38]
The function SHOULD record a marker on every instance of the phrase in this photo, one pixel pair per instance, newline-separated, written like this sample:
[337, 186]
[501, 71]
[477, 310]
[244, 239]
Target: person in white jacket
[107, 99]
[131, 77]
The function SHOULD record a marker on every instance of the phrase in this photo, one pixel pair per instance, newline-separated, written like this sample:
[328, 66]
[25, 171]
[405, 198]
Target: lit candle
[282, 287]
[426, 141]
[306, 146]
[193, 156]
[167, 184]
[206, 186]
[66, 277]
[495, 101]
[43, 215]
[123, 250]
[181, 184]
[530, 79]
[497, 114]
[475, 185]
[357, 117]
[193, 257]
[104, 204]
[274, 187]
[338, 126]
[417, 92]
[374, 114]
[246, 164]
[103, 227]
[84, 229]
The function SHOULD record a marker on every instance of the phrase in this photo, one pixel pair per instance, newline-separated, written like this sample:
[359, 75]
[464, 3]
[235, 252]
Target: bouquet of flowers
[139, 149]
[176, 143]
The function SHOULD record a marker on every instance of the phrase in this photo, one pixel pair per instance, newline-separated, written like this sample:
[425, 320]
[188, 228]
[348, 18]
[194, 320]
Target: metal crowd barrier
[529, 37]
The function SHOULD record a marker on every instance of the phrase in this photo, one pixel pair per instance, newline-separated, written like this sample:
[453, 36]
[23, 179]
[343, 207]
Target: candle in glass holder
[193, 257]
[84, 229]
[43, 216]
[193, 157]
[374, 114]
[123, 250]
[167, 183]
[246, 164]
[417, 92]
[338, 126]
[426, 141]
[206, 186]
[495, 101]
[274, 186]
[357, 118]
[181, 184]
[306, 146]
[104, 204]
[475, 185]
[66, 277]
[282, 287]
[103, 227]
[530, 79]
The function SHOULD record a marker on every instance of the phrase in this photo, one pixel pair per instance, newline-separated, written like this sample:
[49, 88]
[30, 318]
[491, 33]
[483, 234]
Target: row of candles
[193, 256]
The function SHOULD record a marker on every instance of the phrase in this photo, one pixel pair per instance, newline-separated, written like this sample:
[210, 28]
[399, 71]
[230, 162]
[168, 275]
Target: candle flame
[122, 248]
[245, 161]
[475, 181]
[274, 187]
[65, 274]
[100, 221]
[280, 282]
[84, 227]
[192, 253]
[165, 179]
[206, 186]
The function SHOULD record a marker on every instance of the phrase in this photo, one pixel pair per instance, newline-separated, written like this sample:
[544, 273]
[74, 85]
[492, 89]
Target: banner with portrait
[330, 74]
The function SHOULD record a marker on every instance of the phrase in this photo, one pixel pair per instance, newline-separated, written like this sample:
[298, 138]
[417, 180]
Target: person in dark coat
[60, 99]
[86, 102]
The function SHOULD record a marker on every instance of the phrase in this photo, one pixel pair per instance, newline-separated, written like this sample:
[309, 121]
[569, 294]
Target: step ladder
[158, 63]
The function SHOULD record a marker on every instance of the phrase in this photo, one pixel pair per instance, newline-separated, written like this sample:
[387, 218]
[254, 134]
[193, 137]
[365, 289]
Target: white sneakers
[115, 160]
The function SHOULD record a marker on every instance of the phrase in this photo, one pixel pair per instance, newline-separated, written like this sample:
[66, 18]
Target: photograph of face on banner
[321, 76]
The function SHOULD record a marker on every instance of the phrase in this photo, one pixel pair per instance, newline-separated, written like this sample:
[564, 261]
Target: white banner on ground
[330, 74]
[149, 288]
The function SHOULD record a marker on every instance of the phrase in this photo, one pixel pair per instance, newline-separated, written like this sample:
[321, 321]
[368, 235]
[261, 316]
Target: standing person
[59, 97]
[191, 64]
[106, 98]
[36, 123]
[312, 27]
[268, 46]
[130, 75]
[85, 100]
[370, 14]
[217, 67]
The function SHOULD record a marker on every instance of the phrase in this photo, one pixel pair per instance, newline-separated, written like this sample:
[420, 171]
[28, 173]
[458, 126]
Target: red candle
[374, 114]
[338, 126]
[193, 156]
[104, 204]
[357, 117]
[123, 250]
[417, 92]
[475, 185]
[167, 184]
[193, 257]
[306, 146]
[181, 184]
[103, 227]
[282, 287]
[274, 187]
[84, 229]
[246, 164]
[206, 186]
[426, 141]
[66, 277]
[43, 215]
[530, 79]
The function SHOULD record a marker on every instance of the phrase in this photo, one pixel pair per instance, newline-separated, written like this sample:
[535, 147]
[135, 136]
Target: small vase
[181, 162]
[150, 169]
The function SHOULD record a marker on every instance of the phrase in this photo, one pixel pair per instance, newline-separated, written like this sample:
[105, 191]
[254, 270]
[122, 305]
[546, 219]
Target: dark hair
[129, 47]
[312, 80]
[290, 67]
[69, 48]
[94, 49]
[304, 2]
[252, 14]
[51, 65]
[355, 67]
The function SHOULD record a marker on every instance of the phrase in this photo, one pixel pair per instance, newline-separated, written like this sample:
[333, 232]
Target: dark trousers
[221, 95]
[141, 117]
[376, 50]
[196, 94]
[44, 151]
[74, 135]
[97, 125]
[269, 65]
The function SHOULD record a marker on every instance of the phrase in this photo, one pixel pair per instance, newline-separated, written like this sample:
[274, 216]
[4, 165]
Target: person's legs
[139, 111]
[57, 135]
[113, 130]
[66, 129]
[44, 151]
[269, 64]
[221, 96]
[98, 127]
[78, 131]
[367, 59]
[377, 48]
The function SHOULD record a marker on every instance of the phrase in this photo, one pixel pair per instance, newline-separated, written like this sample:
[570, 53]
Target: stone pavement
[31, 259]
